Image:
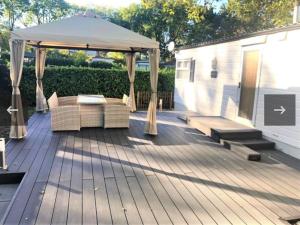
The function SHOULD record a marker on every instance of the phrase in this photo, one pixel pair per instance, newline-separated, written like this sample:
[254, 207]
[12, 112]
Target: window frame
[186, 68]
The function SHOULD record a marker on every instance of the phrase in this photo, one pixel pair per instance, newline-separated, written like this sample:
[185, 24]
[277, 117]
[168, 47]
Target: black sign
[280, 110]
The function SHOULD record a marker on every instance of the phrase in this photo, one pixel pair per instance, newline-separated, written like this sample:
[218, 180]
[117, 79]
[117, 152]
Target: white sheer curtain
[130, 61]
[40, 59]
[151, 127]
[18, 128]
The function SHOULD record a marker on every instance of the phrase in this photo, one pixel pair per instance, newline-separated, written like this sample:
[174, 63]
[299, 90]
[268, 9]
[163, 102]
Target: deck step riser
[216, 135]
[242, 150]
[261, 146]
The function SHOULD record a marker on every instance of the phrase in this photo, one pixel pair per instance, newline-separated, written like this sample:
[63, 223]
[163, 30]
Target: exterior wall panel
[279, 74]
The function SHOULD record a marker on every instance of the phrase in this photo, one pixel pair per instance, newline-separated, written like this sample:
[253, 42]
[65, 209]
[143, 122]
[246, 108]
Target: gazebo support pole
[130, 62]
[17, 128]
[151, 127]
[40, 59]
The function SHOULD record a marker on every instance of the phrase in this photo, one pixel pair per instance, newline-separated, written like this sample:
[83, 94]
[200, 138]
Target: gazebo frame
[19, 39]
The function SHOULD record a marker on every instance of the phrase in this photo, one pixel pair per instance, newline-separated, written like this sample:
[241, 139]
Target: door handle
[239, 85]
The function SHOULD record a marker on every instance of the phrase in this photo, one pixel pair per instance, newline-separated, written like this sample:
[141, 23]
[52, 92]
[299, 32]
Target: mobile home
[231, 77]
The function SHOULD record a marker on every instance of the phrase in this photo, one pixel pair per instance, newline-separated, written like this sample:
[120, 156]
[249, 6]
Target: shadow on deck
[122, 176]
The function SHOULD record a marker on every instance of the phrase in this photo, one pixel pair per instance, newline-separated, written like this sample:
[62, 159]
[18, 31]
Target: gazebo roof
[84, 32]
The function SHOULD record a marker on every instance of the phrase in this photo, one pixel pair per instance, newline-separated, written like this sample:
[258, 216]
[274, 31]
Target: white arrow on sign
[281, 110]
[9, 110]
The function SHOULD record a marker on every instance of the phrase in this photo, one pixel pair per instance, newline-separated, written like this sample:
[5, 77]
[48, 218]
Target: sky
[109, 3]
[104, 3]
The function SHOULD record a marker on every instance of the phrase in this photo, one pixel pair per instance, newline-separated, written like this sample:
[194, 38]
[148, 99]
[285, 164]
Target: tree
[13, 10]
[4, 37]
[260, 14]
[45, 11]
[163, 20]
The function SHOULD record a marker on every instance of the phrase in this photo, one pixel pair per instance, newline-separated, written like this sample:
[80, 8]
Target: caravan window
[185, 69]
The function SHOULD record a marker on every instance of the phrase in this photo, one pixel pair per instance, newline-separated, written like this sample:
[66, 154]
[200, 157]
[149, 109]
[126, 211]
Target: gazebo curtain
[151, 127]
[130, 61]
[40, 58]
[18, 128]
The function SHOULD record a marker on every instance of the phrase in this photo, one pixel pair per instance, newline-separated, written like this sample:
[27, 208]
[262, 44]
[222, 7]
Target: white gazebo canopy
[86, 32]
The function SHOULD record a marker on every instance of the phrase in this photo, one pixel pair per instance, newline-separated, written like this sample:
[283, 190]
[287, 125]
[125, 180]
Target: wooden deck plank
[29, 216]
[75, 199]
[30, 149]
[129, 205]
[60, 212]
[33, 205]
[230, 194]
[218, 201]
[89, 213]
[152, 199]
[163, 148]
[47, 206]
[263, 193]
[120, 154]
[17, 145]
[121, 176]
[106, 164]
[86, 156]
[183, 187]
[175, 195]
[49, 158]
[145, 211]
[205, 156]
[127, 200]
[18, 206]
[101, 197]
[118, 213]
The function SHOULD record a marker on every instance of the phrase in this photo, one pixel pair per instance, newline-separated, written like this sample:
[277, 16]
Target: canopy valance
[86, 32]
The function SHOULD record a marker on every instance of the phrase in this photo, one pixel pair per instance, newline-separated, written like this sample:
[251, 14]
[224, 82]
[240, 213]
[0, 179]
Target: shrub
[86, 80]
[104, 65]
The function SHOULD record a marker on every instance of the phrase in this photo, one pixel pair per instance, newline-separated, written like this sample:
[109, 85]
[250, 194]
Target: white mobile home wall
[279, 73]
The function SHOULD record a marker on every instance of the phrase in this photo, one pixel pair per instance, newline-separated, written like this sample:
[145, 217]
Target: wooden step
[242, 150]
[256, 144]
[231, 134]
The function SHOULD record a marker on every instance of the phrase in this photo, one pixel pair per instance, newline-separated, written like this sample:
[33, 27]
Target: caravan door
[249, 86]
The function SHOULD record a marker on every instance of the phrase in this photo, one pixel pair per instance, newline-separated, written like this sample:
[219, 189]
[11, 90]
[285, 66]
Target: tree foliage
[164, 20]
[13, 10]
[254, 15]
[45, 11]
[180, 21]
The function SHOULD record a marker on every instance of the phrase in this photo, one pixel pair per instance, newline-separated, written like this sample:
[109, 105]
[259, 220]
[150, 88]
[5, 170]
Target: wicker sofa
[67, 114]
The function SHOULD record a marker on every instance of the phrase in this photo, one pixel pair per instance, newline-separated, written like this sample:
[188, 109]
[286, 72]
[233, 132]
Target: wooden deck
[120, 176]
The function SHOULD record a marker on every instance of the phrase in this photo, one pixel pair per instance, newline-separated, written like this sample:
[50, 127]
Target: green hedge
[84, 80]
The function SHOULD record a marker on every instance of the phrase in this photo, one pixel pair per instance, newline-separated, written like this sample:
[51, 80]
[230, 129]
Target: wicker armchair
[116, 116]
[65, 113]
[116, 113]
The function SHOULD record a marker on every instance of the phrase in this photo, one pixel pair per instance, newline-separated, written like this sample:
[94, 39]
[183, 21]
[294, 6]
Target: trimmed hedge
[84, 80]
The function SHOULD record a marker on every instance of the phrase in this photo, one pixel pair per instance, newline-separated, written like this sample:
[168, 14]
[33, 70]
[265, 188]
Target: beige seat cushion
[128, 103]
[53, 101]
[125, 99]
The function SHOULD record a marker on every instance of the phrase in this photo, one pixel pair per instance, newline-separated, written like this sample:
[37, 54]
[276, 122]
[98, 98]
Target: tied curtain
[130, 62]
[40, 58]
[18, 128]
[151, 127]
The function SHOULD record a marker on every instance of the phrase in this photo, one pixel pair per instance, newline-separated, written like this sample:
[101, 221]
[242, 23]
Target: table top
[91, 99]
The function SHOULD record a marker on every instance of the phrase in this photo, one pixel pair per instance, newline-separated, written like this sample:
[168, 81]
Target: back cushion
[53, 101]
[128, 102]
[125, 99]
